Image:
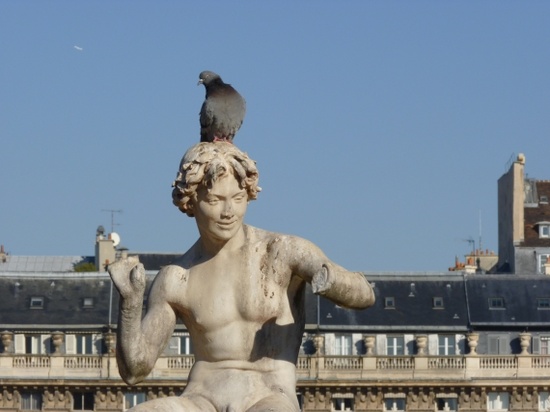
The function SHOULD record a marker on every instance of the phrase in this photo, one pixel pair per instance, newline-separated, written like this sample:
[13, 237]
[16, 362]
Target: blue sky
[380, 128]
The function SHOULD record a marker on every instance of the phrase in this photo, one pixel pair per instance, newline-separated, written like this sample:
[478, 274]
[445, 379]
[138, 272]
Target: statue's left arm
[348, 289]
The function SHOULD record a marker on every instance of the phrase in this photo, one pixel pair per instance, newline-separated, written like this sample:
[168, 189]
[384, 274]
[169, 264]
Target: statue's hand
[128, 275]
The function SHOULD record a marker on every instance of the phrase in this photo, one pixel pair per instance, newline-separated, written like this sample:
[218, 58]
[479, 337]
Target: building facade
[456, 341]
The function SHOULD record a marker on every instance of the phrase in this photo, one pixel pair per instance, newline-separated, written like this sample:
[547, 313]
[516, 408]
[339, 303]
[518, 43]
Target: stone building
[460, 340]
[524, 222]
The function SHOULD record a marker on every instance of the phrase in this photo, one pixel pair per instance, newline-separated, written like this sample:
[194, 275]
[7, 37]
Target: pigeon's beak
[200, 82]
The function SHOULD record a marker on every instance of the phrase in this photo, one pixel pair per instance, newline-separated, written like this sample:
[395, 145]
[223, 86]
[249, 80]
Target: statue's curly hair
[206, 162]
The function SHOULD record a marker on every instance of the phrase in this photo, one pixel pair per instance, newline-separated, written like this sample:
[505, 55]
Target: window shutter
[173, 346]
[381, 347]
[504, 347]
[19, 343]
[493, 345]
[408, 342]
[536, 345]
[70, 344]
[329, 344]
[433, 344]
[45, 344]
[460, 344]
[97, 343]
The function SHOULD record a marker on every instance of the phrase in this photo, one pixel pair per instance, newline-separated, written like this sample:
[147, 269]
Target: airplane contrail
[78, 48]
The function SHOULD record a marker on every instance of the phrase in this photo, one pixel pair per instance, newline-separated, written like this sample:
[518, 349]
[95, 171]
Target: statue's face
[220, 211]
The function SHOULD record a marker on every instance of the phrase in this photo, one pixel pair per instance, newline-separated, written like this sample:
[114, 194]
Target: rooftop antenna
[472, 242]
[113, 211]
[480, 244]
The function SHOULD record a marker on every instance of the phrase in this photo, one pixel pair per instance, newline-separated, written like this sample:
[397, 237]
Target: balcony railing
[365, 368]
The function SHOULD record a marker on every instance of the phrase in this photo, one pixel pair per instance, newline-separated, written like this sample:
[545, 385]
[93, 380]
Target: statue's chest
[245, 293]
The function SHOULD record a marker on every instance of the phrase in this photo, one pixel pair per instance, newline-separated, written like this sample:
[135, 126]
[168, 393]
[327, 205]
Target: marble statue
[239, 290]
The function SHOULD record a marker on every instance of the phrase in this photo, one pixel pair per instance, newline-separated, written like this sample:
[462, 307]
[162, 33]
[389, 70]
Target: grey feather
[223, 110]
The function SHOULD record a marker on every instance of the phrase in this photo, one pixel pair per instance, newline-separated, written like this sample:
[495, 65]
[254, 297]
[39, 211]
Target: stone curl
[206, 162]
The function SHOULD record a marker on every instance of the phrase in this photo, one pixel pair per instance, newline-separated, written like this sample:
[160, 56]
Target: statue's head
[206, 162]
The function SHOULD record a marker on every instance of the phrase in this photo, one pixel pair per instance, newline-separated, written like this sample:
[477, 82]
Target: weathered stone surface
[239, 290]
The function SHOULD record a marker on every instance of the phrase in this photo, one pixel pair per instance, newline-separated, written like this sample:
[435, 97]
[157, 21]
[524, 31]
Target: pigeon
[223, 110]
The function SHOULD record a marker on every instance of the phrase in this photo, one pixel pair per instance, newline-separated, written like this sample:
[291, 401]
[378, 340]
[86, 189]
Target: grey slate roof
[519, 293]
[414, 306]
[41, 263]
[465, 303]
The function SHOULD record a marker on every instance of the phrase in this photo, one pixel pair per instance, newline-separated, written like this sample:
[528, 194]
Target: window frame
[397, 345]
[438, 303]
[36, 302]
[496, 303]
[446, 344]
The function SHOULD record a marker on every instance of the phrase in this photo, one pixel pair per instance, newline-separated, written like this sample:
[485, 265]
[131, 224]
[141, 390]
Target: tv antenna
[472, 242]
[113, 211]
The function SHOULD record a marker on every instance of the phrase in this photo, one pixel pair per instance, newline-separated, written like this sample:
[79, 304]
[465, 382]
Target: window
[542, 261]
[544, 401]
[543, 303]
[342, 404]
[447, 404]
[498, 344]
[498, 401]
[544, 230]
[437, 303]
[179, 344]
[84, 345]
[31, 401]
[37, 302]
[395, 345]
[83, 401]
[496, 303]
[34, 345]
[543, 199]
[394, 404]
[389, 303]
[132, 399]
[88, 303]
[447, 345]
[544, 345]
[343, 345]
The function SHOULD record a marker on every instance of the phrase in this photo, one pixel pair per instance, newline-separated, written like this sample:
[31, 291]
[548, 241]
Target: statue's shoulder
[170, 273]
[274, 241]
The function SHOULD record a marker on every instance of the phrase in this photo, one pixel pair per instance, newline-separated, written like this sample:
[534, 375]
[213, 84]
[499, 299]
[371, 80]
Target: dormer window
[496, 303]
[88, 303]
[389, 303]
[544, 230]
[37, 302]
[437, 303]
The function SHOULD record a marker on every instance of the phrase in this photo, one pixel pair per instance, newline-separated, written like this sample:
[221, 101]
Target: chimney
[3, 255]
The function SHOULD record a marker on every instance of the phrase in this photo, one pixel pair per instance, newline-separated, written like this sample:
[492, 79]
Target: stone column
[421, 342]
[369, 341]
[7, 341]
[525, 342]
[473, 338]
[57, 340]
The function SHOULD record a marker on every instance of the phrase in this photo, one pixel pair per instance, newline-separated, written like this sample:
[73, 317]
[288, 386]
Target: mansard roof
[405, 302]
[520, 300]
[415, 302]
[66, 264]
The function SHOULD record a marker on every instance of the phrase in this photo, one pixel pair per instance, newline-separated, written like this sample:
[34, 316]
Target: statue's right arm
[140, 341]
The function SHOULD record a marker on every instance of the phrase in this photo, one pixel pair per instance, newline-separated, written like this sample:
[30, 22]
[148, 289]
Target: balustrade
[368, 367]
